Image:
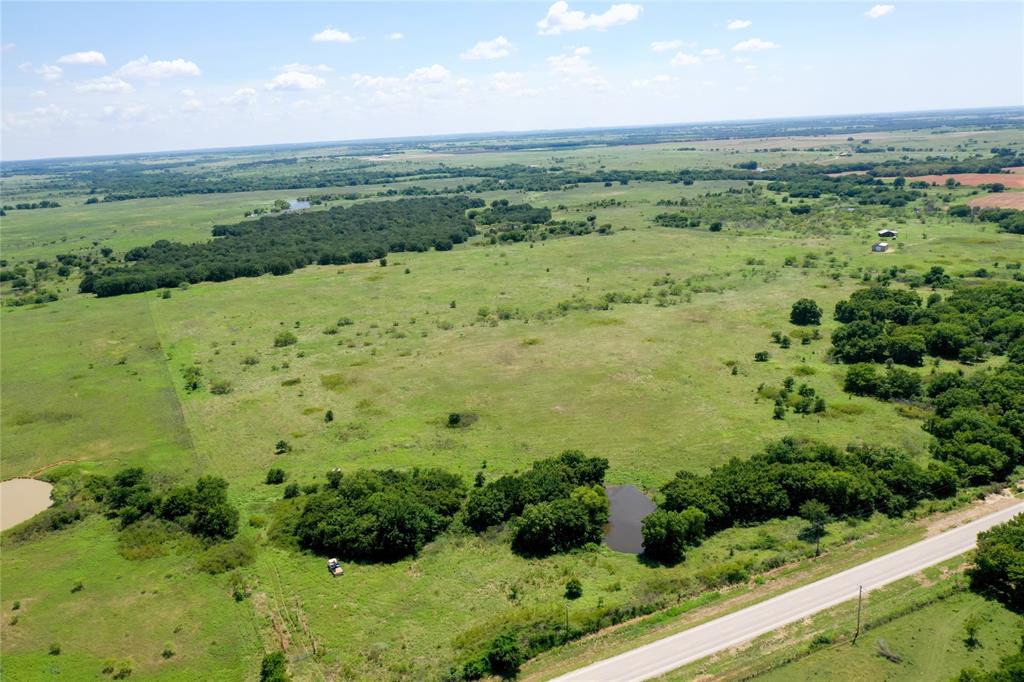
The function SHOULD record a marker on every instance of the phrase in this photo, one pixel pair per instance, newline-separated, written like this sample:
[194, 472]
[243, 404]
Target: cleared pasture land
[1011, 180]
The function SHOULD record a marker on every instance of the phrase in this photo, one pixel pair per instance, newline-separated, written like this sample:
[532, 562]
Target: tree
[573, 588]
[999, 563]
[805, 312]
[274, 668]
[275, 476]
[667, 534]
[816, 514]
[971, 626]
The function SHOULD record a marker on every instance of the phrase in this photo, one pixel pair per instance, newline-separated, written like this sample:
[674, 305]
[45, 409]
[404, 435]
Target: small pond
[629, 507]
[297, 205]
[21, 499]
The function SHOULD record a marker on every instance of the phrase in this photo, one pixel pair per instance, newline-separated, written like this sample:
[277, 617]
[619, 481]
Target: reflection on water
[21, 499]
[629, 507]
[297, 205]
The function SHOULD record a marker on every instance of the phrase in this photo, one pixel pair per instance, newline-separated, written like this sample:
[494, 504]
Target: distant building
[880, 247]
[887, 234]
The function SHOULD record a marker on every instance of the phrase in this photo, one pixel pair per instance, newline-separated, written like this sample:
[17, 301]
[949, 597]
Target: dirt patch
[940, 523]
[845, 173]
[1000, 200]
[1012, 180]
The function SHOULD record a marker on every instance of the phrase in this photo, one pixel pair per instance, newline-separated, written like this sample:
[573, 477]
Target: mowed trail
[669, 653]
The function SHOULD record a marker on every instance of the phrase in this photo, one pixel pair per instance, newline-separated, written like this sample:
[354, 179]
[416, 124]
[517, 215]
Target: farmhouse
[887, 234]
[880, 247]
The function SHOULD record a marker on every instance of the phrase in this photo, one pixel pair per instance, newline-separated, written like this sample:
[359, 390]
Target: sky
[86, 78]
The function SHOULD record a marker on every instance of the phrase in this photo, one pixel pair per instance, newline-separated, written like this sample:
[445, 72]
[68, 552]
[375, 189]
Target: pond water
[296, 205]
[21, 499]
[629, 507]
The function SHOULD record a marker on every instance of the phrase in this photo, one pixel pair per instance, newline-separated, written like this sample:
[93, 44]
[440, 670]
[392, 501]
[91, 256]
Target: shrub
[505, 655]
[573, 588]
[667, 533]
[225, 556]
[761, 356]
[285, 338]
[275, 476]
[55, 649]
[291, 490]
[220, 387]
[274, 668]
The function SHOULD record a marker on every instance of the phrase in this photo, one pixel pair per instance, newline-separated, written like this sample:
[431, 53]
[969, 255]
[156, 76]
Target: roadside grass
[920, 619]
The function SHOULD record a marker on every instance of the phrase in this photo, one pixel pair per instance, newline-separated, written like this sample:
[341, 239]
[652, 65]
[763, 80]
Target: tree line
[282, 243]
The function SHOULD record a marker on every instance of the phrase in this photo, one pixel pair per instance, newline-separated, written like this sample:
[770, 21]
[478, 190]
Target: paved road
[658, 658]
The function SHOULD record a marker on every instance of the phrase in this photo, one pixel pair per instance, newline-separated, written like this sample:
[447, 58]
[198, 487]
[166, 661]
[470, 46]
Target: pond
[297, 205]
[629, 507]
[21, 499]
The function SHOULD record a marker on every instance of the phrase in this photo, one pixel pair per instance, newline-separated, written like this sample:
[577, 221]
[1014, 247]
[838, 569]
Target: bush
[761, 356]
[292, 490]
[225, 556]
[573, 588]
[55, 649]
[274, 668]
[505, 655]
[285, 338]
[275, 476]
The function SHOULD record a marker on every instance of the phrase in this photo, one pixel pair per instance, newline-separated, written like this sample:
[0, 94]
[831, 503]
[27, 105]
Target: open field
[1000, 200]
[99, 384]
[1011, 180]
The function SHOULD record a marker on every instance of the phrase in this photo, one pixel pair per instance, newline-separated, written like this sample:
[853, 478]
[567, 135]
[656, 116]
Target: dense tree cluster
[558, 504]
[1007, 219]
[202, 509]
[502, 212]
[379, 515]
[998, 567]
[776, 482]
[863, 189]
[881, 323]
[895, 383]
[979, 420]
[280, 244]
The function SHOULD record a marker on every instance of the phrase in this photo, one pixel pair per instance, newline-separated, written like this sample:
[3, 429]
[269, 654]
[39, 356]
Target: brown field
[1000, 200]
[1012, 180]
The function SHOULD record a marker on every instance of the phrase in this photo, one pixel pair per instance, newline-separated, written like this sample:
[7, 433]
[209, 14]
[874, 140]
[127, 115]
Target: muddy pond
[629, 507]
[21, 499]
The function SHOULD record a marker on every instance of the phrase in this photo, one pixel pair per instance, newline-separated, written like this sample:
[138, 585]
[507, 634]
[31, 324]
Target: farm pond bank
[21, 499]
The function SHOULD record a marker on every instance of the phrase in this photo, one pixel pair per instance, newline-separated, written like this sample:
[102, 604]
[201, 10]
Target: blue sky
[96, 78]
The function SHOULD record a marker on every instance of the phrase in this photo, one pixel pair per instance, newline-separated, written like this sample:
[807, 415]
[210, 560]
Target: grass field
[97, 384]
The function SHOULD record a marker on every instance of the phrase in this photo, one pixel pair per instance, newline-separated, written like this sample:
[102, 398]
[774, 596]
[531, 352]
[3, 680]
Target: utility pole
[860, 600]
[566, 621]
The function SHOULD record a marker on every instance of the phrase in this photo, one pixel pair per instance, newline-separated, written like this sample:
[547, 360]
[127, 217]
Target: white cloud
[754, 45]
[572, 63]
[7, 47]
[295, 80]
[366, 81]
[48, 72]
[710, 52]
[736, 24]
[683, 59]
[560, 18]
[306, 68]
[145, 69]
[192, 105]
[38, 93]
[187, 92]
[666, 45]
[106, 84]
[489, 49]
[333, 35]
[396, 36]
[125, 114]
[242, 97]
[91, 58]
[429, 74]
[879, 11]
